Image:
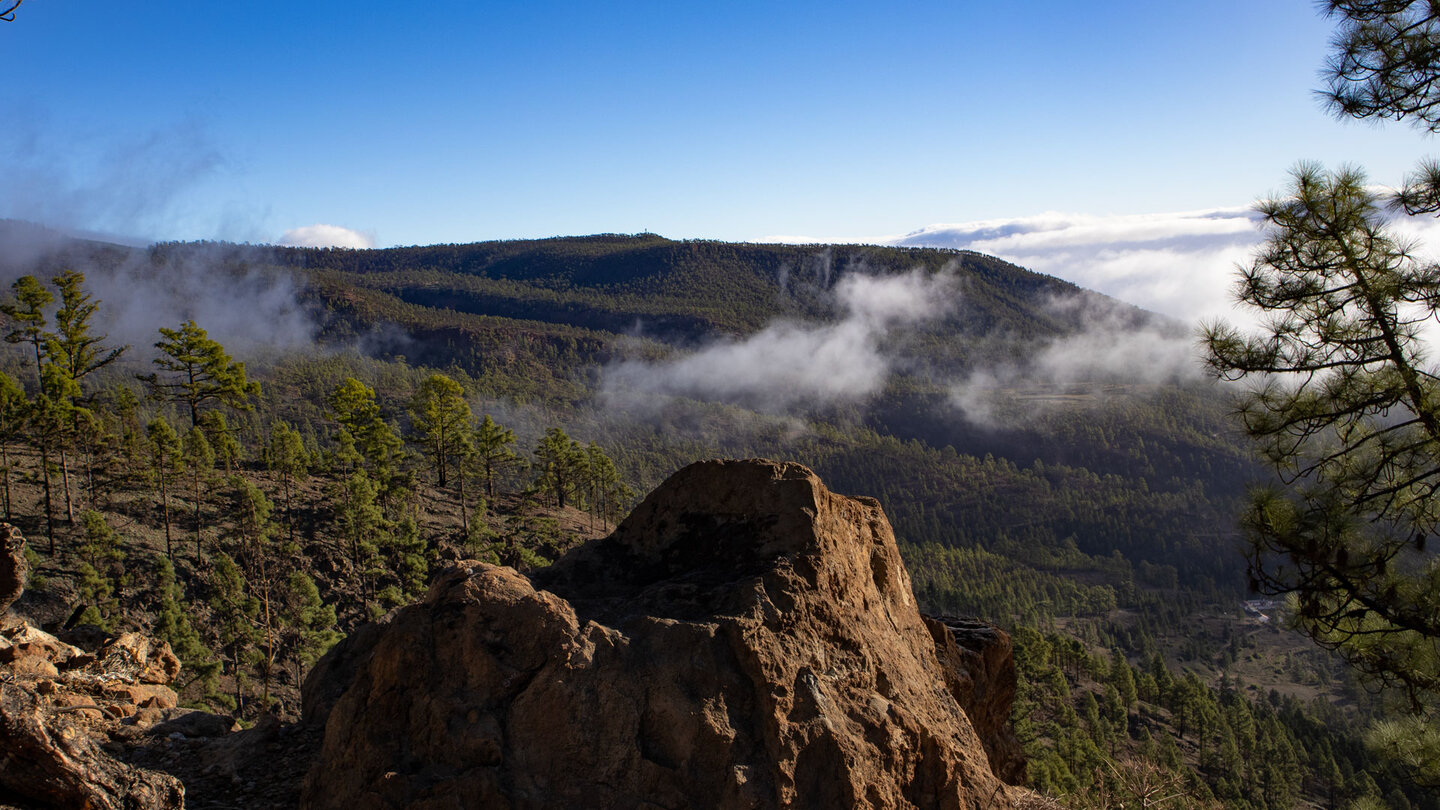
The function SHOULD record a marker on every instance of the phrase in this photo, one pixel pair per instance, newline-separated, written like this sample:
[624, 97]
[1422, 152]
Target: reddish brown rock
[979, 662]
[14, 570]
[143, 694]
[48, 762]
[134, 658]
[746, 638]
[25, 640]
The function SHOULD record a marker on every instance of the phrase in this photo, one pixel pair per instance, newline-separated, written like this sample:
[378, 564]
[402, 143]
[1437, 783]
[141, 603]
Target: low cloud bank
[789, 364]
[1178, 264]
[320, 236]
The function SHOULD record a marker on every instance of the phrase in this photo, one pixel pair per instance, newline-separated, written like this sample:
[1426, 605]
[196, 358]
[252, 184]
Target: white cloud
[1179, 264]
[319, 235]
[786, 364]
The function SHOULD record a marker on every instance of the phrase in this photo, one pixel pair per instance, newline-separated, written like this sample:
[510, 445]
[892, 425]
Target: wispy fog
[1178, 264]
[1115, 344]
[137, 186]
[789, 364]
[230, 290]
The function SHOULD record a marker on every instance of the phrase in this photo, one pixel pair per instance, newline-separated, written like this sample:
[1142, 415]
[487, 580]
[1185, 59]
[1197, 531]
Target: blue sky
[462, 121]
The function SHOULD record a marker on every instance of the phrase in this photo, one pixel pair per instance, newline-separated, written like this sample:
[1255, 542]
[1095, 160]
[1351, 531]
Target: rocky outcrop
[979, 664]
[746, 638]
[59, 702]
[14, 570]
[50, 761]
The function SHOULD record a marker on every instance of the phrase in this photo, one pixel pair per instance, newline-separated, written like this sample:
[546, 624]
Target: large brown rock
[50, 762]
[979, 663]
[14, 570]
[746, 638]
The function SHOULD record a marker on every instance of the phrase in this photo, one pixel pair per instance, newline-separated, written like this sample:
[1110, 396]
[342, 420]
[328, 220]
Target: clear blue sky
[459, 121]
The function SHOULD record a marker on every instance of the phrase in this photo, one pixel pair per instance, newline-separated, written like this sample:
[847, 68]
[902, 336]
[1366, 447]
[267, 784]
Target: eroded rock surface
[746, 638]
[59, 705]
[980, 665]
[51, 761]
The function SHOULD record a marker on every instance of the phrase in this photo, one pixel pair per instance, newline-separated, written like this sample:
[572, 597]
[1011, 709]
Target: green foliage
[73, 348]
[14, 408]
[494, 451]
[195, 369]
[235, 614]
[222, 440]
[27, 314]
[310, 621]
[172, 624]
[165, 450]
[1345, 412]
[406, 558]
[560, 462]
[442, 416]
[353, 405]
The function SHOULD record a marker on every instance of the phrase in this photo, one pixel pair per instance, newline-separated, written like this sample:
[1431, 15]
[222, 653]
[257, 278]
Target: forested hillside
[509, 399]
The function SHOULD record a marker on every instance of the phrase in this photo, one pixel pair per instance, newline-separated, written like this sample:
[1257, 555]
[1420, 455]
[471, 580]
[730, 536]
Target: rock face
[14, 570]
[980, 666]
[745, 639]
[51, 762]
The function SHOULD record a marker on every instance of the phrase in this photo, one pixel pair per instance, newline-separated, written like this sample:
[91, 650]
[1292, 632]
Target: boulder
[14, 570]
[143, 695]
[27, 640]
[50, 763]
[134, 658]
[745, 638]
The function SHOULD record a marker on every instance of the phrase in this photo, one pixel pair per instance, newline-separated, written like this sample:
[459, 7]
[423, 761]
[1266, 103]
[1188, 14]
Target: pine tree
[75, 353]
[287, 457]
[195, 370]
[27, 314]
[561, 463]
[165, 459]
[235, 614]
[199, 459]
[13, 408]
[222, 440]
[309, 621]
[353, 406]
[442, 416]
[172, 624]
[494, 449]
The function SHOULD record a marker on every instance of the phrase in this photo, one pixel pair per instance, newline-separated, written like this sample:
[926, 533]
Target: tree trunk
[65, 485]
[464, 518]
[165, 513]
[289, 512]
[197, 519]
[5, 478]
[49, 512]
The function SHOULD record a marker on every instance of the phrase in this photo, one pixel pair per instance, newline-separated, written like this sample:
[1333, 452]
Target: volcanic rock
[50, 762]
[745, 639]
[979, 662]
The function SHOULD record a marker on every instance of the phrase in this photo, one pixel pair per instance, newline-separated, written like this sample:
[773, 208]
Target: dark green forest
[457, 401]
